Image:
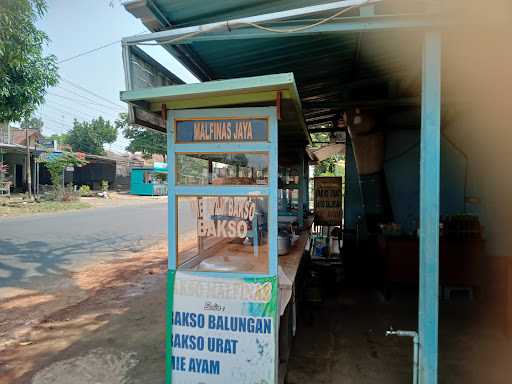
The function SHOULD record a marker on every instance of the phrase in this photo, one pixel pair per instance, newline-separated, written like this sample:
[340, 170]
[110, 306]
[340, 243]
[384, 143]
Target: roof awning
[368, 56]
[270, 90]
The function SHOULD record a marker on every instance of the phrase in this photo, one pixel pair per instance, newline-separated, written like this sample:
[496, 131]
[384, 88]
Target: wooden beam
[365, 104]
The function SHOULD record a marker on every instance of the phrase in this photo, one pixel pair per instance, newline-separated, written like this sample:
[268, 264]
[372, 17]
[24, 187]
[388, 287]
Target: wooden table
[459, 261]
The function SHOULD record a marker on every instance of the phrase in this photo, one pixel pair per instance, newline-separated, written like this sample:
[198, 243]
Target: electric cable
[93, 113]
[88, 52]
[90, 92]
[82, 101]
[85, 97]
[258, 26]
[304, 28]
[80, 115]
[93, 50]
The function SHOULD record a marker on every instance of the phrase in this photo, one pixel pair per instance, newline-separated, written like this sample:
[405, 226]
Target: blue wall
[402, 175]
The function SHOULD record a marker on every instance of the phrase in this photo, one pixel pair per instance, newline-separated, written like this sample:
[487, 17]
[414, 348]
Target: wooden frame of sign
[328, 200]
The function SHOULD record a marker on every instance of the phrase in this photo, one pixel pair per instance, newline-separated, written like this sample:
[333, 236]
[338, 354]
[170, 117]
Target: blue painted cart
[223, 219]
[149, 181]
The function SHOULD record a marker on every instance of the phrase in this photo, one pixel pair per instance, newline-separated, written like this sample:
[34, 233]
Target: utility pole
[29, 173]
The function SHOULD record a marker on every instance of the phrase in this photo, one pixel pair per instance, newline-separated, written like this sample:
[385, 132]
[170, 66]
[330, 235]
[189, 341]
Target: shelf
[289, 186]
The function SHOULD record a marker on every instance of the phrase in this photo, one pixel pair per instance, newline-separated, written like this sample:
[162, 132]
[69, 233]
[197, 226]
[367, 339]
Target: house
[111, 167]
[13, 152]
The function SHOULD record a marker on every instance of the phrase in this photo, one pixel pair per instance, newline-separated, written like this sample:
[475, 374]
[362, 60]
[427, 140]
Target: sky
[76, 27]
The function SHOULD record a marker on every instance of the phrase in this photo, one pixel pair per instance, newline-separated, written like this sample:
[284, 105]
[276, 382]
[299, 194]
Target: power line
[68, 109]
[91, 92]
[49, 127]
[94, 113]
[70, 113]
[94, 49]
[87, 98]
[88, 52]
[82, 101]
[63, 124]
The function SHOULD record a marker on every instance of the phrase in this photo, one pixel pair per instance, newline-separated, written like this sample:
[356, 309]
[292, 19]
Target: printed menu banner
[221, 330]
[221, 130]
[328, 201]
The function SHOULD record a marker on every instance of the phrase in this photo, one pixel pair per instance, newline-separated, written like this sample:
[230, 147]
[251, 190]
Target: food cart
[227, 286]
[149, 181]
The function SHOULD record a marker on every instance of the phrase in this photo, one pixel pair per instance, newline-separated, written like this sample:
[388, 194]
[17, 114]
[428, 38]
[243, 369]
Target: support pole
[429, 209]
[302, 183]
[28, 166]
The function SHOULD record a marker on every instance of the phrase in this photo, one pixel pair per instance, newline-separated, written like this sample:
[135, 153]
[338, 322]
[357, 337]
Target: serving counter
[289, 271]
[289, 265]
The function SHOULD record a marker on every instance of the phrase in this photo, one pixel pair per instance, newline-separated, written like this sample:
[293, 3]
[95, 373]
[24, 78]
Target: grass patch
[20, 208]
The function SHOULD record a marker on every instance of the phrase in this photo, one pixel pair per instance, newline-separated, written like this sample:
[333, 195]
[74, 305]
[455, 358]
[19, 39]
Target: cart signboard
[223, 330]
[222, 130]
[328, 201]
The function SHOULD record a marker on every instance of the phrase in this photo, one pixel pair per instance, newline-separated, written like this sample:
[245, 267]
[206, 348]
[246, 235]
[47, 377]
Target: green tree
[62, 138]
[91, 136]
[142, 140]
[25, 72]
[332, 166]
[56, 165]
[32, 123]
[321, 137]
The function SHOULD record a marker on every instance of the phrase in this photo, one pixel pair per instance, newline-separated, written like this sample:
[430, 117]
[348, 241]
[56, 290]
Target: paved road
[42, 248]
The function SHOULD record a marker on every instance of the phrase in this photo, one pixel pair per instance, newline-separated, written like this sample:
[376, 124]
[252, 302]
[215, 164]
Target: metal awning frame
[426, 367]
[188, 33]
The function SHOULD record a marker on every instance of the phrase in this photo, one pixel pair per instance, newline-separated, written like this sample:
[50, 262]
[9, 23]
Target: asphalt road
[40, 249]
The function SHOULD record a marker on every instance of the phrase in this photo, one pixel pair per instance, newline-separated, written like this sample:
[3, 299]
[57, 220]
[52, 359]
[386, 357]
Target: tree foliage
[332, 166]
[142, 140]
[25, 72]
[57, 164]
[91, 136]
[32, 123]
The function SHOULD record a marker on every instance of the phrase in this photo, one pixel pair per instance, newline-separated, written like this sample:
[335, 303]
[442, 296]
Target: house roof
[19, 135]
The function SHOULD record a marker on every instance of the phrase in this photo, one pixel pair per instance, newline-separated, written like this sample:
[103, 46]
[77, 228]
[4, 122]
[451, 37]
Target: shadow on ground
[119, 326]
[23, 261]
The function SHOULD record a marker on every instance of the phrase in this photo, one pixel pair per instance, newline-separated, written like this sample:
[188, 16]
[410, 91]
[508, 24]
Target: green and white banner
[221, 330]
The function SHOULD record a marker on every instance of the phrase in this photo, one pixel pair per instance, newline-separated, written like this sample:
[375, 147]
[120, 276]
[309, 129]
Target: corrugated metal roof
[328, 67]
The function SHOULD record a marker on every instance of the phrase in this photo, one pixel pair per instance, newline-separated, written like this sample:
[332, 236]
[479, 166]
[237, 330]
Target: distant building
[13, 153]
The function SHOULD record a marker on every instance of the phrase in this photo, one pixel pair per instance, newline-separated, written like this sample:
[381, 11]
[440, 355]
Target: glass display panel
[288, 199]
[221, 169]
[222, 233]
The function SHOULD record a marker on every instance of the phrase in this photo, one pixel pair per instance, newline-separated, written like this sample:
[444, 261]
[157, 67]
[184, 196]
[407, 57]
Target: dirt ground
[121, 198]
[109, 328]
[106, 324]
[17, 206]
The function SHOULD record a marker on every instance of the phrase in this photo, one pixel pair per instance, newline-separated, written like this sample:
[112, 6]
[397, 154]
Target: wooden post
[302, 186]
[28, 166]
[508, 303]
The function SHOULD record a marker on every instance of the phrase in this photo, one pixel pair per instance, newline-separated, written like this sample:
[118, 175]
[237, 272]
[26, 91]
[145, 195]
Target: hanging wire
[304, 28]
[255, 25]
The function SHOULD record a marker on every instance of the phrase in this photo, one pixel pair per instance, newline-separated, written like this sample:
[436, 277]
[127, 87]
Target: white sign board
[222, 330]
